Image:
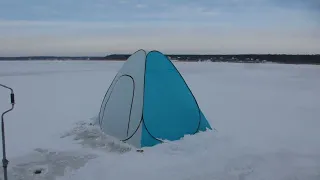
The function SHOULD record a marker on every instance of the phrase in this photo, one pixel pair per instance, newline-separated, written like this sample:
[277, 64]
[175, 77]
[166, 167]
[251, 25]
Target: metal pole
[5, 162]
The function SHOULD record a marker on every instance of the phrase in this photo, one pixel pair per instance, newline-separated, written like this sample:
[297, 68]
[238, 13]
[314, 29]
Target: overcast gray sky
[99, 27]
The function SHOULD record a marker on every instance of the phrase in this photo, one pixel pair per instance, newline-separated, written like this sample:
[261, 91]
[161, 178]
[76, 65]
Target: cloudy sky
[100, 27]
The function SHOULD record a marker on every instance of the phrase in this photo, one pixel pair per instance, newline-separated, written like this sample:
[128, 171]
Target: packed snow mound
[89, 135]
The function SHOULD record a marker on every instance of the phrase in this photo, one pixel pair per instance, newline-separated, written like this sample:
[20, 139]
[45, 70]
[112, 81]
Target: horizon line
[168, 54]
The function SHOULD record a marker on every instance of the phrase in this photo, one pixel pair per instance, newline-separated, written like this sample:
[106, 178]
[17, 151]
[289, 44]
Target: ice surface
[267, 118]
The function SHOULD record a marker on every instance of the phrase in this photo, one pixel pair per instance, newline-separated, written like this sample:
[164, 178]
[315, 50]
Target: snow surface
[267, 118]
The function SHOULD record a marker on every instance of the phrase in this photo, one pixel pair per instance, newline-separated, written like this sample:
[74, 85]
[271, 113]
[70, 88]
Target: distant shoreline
[240, 58]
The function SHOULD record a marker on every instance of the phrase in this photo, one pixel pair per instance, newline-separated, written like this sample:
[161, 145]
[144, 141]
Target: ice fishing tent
[148, 101]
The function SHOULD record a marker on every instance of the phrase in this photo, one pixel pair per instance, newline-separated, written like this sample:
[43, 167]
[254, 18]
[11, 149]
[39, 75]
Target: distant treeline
[26, 58]
[244, 58]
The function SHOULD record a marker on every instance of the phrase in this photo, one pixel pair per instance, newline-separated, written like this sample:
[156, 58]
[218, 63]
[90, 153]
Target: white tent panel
[117, 110]
[114, 114]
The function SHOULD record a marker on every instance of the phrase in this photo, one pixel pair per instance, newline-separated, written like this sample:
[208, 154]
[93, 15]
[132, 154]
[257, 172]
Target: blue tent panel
[204, 124]
[170, 110]
[147, 140]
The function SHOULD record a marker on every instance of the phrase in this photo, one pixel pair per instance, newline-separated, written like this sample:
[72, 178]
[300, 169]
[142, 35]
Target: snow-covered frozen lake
[267, 118]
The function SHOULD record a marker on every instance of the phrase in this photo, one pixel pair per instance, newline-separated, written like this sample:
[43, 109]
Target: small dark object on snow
[38, 171]
[140, 150]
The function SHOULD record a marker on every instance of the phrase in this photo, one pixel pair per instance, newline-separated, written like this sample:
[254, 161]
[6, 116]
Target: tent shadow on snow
[149, 102]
